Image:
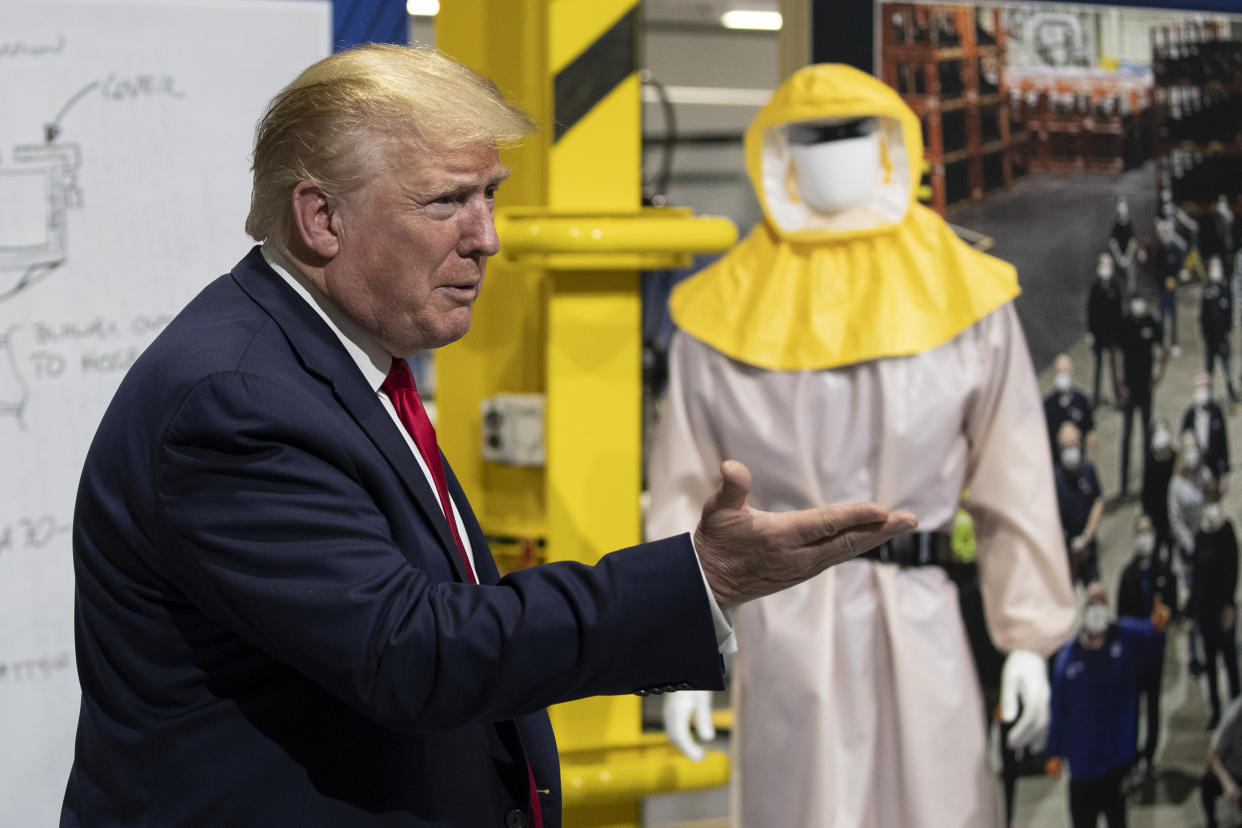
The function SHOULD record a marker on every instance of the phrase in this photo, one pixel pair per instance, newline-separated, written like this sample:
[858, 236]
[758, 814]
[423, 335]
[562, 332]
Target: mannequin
[854, 318]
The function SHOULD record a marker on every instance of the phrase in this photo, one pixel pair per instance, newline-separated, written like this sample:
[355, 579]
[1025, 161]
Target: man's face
[413, 245]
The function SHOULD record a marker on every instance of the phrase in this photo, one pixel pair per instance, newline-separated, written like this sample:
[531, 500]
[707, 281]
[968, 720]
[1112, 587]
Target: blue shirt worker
[1095, 682]
[1080, 503]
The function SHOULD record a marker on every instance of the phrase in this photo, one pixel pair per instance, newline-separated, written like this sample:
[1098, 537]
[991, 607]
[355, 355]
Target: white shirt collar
[372, 359]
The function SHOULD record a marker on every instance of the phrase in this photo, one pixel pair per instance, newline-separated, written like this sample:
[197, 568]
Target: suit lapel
[323, 356]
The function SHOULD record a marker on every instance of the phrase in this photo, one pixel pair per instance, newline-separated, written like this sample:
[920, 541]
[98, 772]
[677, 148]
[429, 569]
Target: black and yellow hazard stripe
[595, 72]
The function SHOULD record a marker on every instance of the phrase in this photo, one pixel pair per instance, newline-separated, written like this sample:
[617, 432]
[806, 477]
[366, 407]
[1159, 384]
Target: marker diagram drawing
[38, 186]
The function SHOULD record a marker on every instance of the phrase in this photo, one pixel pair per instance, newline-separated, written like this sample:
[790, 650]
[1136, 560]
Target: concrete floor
[1052, 227]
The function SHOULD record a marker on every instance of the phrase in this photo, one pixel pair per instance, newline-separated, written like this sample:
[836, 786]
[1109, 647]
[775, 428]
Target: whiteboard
[125, 136]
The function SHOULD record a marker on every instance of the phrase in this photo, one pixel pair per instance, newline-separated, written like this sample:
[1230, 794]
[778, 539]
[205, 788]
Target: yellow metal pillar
[560, 315]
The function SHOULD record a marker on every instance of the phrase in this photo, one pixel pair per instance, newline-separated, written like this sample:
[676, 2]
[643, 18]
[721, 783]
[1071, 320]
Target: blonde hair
[345, 120]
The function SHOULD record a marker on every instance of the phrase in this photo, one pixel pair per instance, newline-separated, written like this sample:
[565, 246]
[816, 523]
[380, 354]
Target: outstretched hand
[746, 553]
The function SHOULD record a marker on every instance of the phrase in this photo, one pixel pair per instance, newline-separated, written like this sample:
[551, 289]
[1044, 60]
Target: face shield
[837, 163]
[843, 172]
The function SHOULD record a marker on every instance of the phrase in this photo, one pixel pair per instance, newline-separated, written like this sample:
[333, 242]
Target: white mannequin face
[836, 174]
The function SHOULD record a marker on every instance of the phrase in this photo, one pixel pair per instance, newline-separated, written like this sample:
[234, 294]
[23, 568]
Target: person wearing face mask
[1186, 495]
[1169, 271]
[1104, 313]
[1157, 474]
[1095, 686]
[1080, 503]
[1186, 229]
[1211, 603]
[854, 313]
[1143, 360]
[1185, 513]
[1204, 419]
[1067, 404]
[1123, 243]
[1216, 323]
[1224, 242]
[1144, 578]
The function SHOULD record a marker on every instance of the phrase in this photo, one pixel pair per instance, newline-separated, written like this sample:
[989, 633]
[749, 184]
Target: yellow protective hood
[806, 290]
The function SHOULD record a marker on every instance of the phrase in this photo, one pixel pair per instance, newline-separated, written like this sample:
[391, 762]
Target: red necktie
[400, 388]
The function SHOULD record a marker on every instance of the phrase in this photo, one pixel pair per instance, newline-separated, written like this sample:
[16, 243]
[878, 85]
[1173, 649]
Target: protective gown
[866, 355]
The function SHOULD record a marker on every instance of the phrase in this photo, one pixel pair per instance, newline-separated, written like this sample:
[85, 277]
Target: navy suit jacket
[272, 622]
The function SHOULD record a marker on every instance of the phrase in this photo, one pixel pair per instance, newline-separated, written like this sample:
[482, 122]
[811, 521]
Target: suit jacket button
[685, 685]
[515, 819]
[642, 692]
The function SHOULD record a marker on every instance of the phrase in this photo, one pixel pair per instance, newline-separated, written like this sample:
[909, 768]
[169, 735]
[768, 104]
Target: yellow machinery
[560, 317]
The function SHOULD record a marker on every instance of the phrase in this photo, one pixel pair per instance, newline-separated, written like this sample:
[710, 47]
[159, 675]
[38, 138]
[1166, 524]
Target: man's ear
[314, 219]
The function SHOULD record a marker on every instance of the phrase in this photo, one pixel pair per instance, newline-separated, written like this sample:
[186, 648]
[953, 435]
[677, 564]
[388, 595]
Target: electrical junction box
[513, 429]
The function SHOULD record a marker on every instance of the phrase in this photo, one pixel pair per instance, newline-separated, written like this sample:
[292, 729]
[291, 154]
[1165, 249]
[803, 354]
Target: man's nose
[479, 233]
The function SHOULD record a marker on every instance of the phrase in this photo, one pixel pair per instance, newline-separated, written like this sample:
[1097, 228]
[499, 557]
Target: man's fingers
[870, 523]
[734, 485]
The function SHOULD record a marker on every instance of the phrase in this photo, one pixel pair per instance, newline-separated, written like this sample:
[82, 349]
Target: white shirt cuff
[722, 620]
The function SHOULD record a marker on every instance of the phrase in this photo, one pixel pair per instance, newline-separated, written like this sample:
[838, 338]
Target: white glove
[679, 709]
[1025, 677]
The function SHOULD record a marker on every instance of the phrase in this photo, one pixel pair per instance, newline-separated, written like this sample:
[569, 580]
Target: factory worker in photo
[853, 348]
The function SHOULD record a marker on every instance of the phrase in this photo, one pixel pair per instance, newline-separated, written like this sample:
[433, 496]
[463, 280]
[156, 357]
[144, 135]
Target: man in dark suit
[286, 613]
[1204, 418]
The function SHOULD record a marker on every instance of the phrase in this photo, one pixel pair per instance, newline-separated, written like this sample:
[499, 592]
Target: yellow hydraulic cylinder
[560, 315]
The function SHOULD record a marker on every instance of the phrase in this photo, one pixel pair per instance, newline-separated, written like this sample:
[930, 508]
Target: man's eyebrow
[464, 186]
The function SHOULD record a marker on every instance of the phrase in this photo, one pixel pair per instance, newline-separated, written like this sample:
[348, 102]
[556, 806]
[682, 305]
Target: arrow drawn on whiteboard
[51, 130]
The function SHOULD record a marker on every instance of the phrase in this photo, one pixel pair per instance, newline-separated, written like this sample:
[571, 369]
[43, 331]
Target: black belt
[914, 549]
